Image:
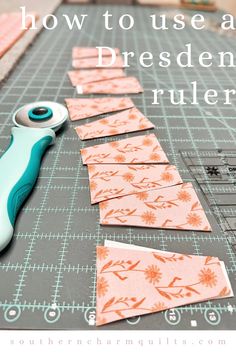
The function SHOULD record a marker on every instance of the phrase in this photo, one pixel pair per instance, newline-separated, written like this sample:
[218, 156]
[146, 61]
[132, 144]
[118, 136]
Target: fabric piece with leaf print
[81, 108]
[92, 63]
[117, 86]
[176, 207]
[109, 243]
[124, 122]
[132, 282]
[81, 77]
[138, 149]
[116, 180]
[90, 52]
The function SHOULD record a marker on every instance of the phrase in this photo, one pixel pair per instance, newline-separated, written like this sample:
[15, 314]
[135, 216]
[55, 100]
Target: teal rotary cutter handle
[20, 164]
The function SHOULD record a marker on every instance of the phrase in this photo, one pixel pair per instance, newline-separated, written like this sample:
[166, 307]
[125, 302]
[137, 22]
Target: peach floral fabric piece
[115, 180]
[176, 207]
[118, 86]
[89, 52]
[11, 31]
[81, 108]
[124, 122]
[109, 243]
[138, 149]
[81, 77]
[92, 63]
[133, 282]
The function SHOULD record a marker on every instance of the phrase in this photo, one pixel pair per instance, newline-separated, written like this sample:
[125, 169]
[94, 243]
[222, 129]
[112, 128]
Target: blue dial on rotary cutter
[40, 113]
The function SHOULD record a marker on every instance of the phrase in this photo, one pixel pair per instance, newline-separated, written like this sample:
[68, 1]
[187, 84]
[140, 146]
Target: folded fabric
[11, 29]
[81, 77]
[118, 86]
[176, 207]
[92, 63]
[132, 282]
[115, 180]
[124, 122]
[81, 108]
[89, 52]
[138, 149]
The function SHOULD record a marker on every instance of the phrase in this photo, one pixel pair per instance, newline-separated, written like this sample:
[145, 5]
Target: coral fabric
[127, 121]
[176, 207]
[122, 245]
[81, 108]
[92, 63]
[138, 149]
[118, 86]
[11, 31]
[81, 77]
[133, 282]
[115, 180]
[89, 52]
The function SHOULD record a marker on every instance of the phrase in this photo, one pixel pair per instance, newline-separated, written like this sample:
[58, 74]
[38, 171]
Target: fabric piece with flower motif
[90, 52]
[93, 63]
[115, 180]
[117, 86]
[138, 149]
[81, 77]
[127, 121]
[81, 108]
[122, 245]
[176, 207]
[133, 282]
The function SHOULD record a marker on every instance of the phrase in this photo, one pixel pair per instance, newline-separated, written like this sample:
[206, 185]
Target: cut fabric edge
[226, 293]
[104, 223]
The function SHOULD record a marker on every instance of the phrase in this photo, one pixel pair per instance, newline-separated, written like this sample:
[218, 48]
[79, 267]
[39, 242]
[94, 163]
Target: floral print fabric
[92, 63]
[176, 207]
[116, 180]
[81, 77]
[124, 122]
[133, 282]
[138, 149]
[118, 86]
[89, 52]
[81, 108]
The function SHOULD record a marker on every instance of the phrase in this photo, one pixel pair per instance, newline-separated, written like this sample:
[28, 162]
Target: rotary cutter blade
[42, 114]
[35, 124]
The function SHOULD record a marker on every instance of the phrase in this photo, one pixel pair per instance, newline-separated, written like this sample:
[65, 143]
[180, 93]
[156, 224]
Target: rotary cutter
[34, 131]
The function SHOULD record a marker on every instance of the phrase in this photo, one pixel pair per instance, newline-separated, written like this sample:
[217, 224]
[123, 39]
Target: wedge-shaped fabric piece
[138, 149]
[122, 245]
[81, 108]
[116, 180]
[89, 52]
[92, 63]
[11, 29]
[124, 122]
[118, 86]
[228, 293]
[176, 207]
[81, 77]
[132, 282]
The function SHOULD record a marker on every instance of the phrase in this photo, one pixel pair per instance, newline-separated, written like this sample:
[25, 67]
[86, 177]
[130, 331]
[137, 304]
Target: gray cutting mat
[47, 276]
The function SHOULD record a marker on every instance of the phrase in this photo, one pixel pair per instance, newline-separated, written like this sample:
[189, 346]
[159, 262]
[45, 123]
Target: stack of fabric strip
[135, 184]
[131, 179]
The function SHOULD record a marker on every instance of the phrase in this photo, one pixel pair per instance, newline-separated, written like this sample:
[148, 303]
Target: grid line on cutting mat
[49, 273]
